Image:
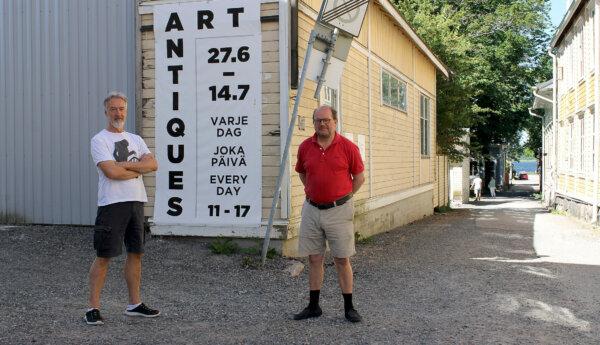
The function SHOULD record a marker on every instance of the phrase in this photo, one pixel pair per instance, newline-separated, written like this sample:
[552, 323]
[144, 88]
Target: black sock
[347, 301]
[314, 299]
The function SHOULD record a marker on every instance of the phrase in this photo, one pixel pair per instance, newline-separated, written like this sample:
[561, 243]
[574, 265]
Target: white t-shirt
[119, 147]
[477, 183]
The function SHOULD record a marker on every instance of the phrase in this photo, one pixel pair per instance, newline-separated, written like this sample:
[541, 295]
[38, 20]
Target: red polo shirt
[328, 172]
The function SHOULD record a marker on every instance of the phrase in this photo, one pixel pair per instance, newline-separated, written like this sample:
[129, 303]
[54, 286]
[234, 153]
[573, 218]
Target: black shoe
[308, 312]
[93, 317]
[143, 311]
[352, 315]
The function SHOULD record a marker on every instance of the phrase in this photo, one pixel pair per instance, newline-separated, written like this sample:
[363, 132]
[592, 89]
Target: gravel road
[471, 276]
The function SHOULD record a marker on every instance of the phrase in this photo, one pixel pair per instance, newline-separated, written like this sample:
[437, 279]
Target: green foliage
[496, 50]
[250, 251]
[227, 246]
[360, 239]
[528, 154]
[223, 246]
[272, 253]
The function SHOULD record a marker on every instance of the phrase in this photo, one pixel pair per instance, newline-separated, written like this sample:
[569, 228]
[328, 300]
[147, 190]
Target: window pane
[394, 93]
[385, 88]
[402, 96]
[422, 137]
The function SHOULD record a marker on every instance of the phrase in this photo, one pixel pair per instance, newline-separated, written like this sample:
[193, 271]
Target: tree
[496, 49]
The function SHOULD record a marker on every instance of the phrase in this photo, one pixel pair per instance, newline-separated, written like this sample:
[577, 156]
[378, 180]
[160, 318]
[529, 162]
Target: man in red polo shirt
[331, 170]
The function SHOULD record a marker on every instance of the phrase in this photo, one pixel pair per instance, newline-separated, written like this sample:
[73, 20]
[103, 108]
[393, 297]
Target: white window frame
[579, 52]
[572, 142]
[398, 101]
[581, 166]
[425, 121]
[592, 148]
[331, 97]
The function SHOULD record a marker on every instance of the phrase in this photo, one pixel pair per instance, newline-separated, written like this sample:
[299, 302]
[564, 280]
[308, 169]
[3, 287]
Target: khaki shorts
[334, 226]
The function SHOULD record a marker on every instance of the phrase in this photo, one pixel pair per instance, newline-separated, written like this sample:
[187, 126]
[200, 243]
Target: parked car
[523, 175]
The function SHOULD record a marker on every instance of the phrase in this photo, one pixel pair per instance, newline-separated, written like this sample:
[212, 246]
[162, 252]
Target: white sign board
[351, 21]
[334, 70]
[208, 115]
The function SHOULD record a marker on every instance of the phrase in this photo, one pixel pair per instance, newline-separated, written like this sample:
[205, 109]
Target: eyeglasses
[322, 121]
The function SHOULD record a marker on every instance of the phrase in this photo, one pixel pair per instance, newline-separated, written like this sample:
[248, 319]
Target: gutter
[536, 94]
[596, 108]
[554, 174]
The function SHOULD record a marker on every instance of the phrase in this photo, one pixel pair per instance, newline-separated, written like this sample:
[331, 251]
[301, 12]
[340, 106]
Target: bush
[223, 246]
[360, 239]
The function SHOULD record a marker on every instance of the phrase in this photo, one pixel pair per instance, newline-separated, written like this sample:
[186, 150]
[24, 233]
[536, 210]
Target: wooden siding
[396, 163]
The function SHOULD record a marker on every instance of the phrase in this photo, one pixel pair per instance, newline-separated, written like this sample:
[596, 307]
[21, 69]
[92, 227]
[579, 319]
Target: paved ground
[501, 271]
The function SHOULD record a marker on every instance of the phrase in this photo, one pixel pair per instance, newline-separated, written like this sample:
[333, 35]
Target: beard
[118, 124]
[324, 134]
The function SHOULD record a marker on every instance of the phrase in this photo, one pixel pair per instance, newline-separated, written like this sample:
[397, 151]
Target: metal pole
[326, 62]
[288, 142]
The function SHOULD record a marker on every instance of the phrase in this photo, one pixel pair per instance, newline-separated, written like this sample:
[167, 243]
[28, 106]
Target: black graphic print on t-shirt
[122, 153]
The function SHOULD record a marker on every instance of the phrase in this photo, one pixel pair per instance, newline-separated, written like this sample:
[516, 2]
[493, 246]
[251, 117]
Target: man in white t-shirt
[121, 158]
[476, 185]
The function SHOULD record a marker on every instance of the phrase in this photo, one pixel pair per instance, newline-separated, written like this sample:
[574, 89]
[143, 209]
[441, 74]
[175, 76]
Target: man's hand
[146, 164]
[115, 172]
[357, 182]
[303, 178]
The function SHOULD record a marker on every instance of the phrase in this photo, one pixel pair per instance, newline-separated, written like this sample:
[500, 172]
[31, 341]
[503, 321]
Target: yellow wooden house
[573, 156]
[386, 101]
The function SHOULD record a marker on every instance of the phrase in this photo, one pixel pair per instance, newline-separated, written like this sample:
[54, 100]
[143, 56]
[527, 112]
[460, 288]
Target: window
[330, 96]
[563, 149]
[579, 52]
[592, 147]
[425, 111]
[571, 144]
[393, 91]
[582, 144]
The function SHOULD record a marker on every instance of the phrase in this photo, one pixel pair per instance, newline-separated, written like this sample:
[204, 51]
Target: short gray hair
[333, 111]
[115, 94]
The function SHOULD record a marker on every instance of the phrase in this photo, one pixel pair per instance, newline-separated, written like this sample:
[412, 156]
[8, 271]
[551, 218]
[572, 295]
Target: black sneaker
[143, 311]
[308, 312]
[352, 315]
[93, 317]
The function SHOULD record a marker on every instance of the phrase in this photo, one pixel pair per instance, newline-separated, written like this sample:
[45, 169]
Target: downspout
[294, 65]
[596, 47]
[542, 175]
[370, 58]
[554, 173]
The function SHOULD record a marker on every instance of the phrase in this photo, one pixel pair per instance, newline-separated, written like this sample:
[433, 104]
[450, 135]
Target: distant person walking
[492, 187]
[121, 158]
[476, 186]
[331, 170]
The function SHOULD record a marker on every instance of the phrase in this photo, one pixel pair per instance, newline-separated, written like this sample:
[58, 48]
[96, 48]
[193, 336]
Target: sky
[558, 11]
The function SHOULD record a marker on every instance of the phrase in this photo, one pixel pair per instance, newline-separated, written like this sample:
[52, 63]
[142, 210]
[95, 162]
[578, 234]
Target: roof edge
[566, 22]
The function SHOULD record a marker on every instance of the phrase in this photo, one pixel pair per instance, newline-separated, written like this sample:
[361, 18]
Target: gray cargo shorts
[333, 226]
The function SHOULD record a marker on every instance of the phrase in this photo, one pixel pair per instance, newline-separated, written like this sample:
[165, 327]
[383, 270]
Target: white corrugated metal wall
[58, 60]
